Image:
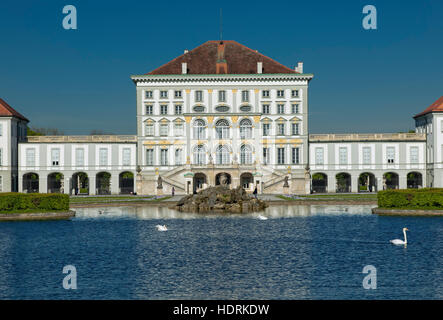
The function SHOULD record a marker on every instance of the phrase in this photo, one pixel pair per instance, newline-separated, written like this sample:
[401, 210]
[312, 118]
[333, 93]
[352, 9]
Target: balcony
[83, 139]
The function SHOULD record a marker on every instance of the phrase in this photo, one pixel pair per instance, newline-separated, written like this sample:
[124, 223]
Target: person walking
[255, 192]
[173, 191]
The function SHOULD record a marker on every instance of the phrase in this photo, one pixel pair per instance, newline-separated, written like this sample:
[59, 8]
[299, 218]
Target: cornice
[222, 77]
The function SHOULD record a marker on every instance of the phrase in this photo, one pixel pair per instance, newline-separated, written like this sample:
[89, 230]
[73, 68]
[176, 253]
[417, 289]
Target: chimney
[299, 67]
[186, 51]
[259, 67]
[221, 64]
[184, 68]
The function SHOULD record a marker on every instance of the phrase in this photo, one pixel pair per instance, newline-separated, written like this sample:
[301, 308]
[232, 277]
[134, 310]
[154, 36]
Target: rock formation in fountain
[220, 199]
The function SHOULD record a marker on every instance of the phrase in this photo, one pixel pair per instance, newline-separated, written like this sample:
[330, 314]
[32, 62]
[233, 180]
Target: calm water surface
[300, 252]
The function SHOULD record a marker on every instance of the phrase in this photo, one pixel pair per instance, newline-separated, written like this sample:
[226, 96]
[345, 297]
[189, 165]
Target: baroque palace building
[223, 108]
[221, 111]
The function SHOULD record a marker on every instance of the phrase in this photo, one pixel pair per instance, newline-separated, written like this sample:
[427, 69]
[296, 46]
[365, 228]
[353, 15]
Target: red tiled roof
[437, 106]
[7, 111]
[204, 59]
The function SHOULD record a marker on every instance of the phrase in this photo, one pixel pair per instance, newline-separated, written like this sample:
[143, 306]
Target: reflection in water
[272, 212]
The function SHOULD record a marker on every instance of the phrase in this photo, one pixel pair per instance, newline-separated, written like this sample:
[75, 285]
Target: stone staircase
[174, 183]
[174, 171]
[275, 177]
[273, 181]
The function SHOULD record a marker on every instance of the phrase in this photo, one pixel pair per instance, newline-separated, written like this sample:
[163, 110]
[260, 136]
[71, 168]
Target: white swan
[161, 227]
[401, 242]
[260, 217]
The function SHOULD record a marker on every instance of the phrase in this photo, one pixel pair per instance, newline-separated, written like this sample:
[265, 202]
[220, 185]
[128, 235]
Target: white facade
[107, 162]
[222, 123]
[395, 161]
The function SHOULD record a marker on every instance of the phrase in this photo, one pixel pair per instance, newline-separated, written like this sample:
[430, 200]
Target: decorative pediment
[149, 121]
[295, 119]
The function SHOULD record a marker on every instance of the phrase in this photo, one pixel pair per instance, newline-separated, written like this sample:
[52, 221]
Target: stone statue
[223, 180]
[307, 172]
[159, 183]
[286, 184]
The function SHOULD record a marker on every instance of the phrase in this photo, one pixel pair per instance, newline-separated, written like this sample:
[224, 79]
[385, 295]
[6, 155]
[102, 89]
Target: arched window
[199, 129]
[245, 129]
[245, 154]
[222, 155]
[222, 129]
[199, 154]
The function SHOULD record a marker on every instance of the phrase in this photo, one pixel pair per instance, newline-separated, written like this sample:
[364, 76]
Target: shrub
[13, 202]
[426, 198]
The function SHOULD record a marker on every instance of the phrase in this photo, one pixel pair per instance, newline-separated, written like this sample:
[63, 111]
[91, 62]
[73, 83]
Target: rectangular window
[266, 129]
[295, 108]
[55, 156]
[280, 93]
[164, 157]
[265, 93]
[103, 156]
[280, 155]
[178, 109]
[222, 96]
[266, 109]
[164, 109]
[414, 154]
[178, 157]
[366, 155]
[390, 154]
[30, 157]
[295, 129]
[149, 129]
[178, 129]
[148, 94]
[149, 157]
[319, 158]
[266, 155]
[164, 128]
[280, 129]
[343, 155]
[294, 93]
[245, 96]
[199, 96]
[149, 110]
[177, 94]
[295, 155]
[79, 157]
[280, 108]
[163, 94]
[126, 156]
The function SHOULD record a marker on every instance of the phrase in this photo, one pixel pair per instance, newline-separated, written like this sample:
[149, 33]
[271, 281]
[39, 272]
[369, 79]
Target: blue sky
[78, 80]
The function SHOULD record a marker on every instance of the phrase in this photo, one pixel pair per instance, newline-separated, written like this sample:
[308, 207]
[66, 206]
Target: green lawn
[111, 199]
[332, 197]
